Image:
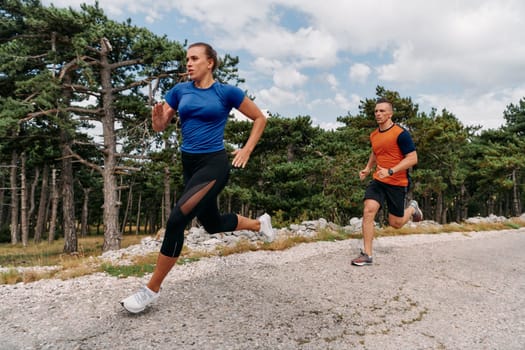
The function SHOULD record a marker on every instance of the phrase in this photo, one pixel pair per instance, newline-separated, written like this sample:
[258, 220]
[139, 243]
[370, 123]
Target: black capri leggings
[205, 175]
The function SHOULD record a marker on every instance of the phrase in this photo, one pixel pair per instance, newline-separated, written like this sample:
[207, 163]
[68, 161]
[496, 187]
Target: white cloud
[475, 44]
[275, 97]
[326, 125]
[343, 102]
[268, 65]
[332, 81]
[485, 110]
[359, 72]
[288, 78]
[348, 105]
[335, 105]
[306, 47]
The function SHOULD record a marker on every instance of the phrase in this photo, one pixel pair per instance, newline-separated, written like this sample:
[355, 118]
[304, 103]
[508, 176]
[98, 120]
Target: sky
[321, 58]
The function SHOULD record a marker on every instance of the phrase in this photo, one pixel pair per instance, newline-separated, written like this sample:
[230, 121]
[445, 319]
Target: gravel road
[441, 291]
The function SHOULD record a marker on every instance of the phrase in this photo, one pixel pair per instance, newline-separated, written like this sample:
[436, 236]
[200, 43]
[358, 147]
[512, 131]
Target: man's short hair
[384, 100]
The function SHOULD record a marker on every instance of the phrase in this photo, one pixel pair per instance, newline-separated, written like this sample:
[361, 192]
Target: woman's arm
[249, 109]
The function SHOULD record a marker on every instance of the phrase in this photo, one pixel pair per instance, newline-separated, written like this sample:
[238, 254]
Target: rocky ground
[439, 291]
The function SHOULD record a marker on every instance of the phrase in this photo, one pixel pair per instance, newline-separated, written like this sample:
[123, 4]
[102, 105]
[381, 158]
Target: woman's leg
[199, 199]
[162, 268]
[244, 223]
[196, 190]
[205, 177]
[179, 218]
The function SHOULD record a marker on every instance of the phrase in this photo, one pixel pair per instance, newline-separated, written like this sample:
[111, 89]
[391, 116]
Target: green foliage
[228, 71]
[187, 260]
[123, 271]
[515, 117]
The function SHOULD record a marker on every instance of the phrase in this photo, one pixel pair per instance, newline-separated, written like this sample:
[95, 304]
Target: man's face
[383, 112]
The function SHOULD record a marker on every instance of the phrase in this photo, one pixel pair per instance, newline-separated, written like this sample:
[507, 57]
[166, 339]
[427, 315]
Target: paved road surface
[446, 291]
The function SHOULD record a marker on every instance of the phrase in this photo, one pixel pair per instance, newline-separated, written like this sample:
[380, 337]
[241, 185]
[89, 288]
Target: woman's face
[198, 65]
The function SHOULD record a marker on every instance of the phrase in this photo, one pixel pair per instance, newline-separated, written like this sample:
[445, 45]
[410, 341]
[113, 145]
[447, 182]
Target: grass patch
[243, 245]
[12, 276]
[128, 270]
[65, 266]
[187, 260]
[46, 254]
[331, 235]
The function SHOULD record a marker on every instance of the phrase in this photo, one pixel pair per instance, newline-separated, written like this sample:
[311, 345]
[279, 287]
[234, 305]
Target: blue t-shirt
[203, 114]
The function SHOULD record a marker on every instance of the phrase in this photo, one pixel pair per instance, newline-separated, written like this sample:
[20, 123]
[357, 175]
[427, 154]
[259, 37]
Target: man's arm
[368, 168]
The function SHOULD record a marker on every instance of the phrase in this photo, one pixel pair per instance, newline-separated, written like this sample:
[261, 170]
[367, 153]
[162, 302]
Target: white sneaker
[418, 214]
[266, 227]
[137, 302]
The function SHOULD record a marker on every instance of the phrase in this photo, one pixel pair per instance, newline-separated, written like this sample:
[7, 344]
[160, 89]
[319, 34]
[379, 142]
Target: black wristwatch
[390, 172]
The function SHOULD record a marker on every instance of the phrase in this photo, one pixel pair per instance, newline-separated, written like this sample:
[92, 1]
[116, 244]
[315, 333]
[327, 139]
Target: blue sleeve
[234, 96]
[405, 143]
[172, 97]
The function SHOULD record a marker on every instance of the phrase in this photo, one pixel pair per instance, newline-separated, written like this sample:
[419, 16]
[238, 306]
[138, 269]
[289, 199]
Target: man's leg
[369, 213]
[412, 212]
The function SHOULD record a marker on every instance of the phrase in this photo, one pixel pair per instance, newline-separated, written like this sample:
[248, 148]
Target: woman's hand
[161, 115]
[241, 157]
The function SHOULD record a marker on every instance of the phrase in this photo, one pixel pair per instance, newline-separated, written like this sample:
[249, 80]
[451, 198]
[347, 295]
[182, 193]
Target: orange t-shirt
[390, 147]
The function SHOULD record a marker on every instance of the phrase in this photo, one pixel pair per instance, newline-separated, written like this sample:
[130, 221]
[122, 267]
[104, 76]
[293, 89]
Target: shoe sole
[135, 311]
[361, 264]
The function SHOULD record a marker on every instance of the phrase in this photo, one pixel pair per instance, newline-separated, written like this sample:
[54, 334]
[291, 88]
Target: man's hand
[382, 172]
[364, 173]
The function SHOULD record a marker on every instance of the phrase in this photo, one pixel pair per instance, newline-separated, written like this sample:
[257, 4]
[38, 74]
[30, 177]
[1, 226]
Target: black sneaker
[362, 260]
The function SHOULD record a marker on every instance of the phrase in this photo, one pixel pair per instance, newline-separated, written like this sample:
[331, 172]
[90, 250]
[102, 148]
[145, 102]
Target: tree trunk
[112, 236]
[490, 205]
[68, 197]
[464, 203]
[54, 207]
[14, 198]
[85, 213]
[137, 230]
[24, 227]
[439, 207]
[516, 211]
[444, 215]
[128, 209]
[2, 197]
[42, 205]
[32, 206]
